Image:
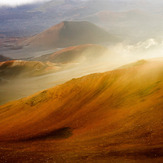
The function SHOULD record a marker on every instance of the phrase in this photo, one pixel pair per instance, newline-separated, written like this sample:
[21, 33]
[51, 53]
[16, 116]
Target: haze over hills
[75, 54]
[124, 19]
[71, 57]
[71, 62]
[64, 34]
[114, 116]
[56, 11]
[69, 34]
[143, 23]
[22, 78]
[87, 77]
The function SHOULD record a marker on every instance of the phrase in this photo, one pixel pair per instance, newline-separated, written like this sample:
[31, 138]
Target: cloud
[18, 2]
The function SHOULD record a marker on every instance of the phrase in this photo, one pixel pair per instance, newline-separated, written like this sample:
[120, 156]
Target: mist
[114, 57]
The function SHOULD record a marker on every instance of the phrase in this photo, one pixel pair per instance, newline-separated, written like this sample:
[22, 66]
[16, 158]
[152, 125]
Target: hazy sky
[18, 2]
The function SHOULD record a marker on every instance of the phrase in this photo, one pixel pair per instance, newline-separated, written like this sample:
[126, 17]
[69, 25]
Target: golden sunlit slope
[115, 114]
[69, 33]
[75, 54]
[15, 68]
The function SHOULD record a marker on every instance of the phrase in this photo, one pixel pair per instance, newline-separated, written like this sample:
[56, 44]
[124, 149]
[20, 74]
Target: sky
[18, 2]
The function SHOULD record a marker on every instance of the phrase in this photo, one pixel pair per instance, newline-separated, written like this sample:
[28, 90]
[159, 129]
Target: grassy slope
[114, 116]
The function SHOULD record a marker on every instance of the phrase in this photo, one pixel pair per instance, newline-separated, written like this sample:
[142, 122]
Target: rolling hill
[50, 63]
[19, 68]
[75, 54]
[114, 116]
[69, 33]
[22, 78]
